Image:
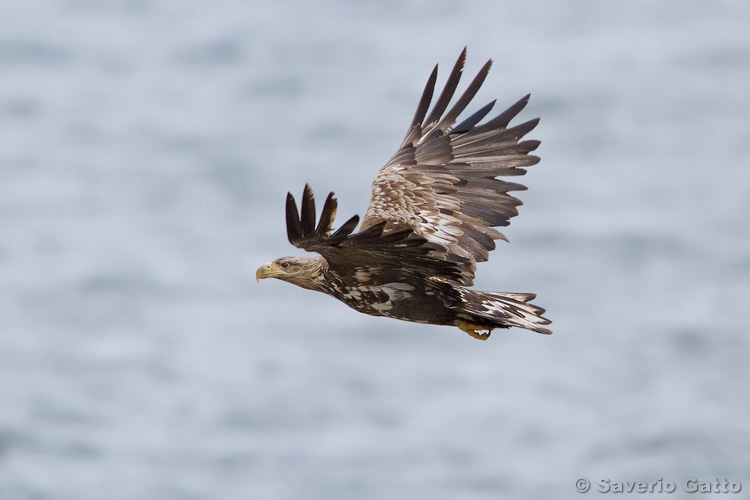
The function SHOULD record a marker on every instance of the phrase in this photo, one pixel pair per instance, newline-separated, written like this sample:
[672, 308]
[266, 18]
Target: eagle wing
[441, 184]
[401, 253]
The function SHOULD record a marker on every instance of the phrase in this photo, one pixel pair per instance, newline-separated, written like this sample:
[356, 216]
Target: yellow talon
[472, 330]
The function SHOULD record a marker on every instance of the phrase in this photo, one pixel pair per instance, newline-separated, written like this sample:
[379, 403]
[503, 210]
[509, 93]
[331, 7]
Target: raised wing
[401, 250]
[442, 181]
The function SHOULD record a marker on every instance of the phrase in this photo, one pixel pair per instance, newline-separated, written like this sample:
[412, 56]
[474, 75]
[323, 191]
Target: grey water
[146, 148]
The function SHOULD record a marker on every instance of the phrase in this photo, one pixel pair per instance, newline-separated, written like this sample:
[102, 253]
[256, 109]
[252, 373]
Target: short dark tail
[503, 310]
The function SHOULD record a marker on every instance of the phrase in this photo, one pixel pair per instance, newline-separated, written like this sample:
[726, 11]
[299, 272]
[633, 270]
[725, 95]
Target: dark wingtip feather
[424, 101]
[372, 232]
[308, 211]
[293, 224]
[327, 215]
[529, 146]
[471, 91]
[469, 123]
[346, 228]
[461, 61]
[447, 94]
[503, 119]
[528, 126]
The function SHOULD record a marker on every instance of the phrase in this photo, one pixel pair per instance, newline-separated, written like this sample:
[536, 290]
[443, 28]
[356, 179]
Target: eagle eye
[284, 265]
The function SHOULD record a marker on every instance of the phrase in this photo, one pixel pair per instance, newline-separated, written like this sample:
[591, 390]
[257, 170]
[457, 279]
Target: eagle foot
[472, 330]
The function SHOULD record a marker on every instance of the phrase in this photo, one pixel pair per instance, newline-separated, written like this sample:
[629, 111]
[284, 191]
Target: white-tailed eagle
[430, 220]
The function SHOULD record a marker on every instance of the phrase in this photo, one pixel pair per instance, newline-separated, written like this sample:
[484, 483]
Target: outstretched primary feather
[431, 218]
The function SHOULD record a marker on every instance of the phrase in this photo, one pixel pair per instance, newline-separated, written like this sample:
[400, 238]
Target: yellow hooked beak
[268, 270]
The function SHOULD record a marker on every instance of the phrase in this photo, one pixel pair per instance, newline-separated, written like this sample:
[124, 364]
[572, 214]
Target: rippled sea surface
[145, 151]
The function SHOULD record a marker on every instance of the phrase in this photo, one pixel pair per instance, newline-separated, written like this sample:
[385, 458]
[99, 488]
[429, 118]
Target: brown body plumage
[431, 218]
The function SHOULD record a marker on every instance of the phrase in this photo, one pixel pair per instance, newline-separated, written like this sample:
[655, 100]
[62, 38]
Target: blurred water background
[145, 151]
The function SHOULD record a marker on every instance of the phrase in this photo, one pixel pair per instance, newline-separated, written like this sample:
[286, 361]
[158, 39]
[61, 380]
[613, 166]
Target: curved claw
[472, 329]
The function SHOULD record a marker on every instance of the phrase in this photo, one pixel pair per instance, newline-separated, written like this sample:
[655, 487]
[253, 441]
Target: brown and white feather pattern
[431, 218]
[442, 181]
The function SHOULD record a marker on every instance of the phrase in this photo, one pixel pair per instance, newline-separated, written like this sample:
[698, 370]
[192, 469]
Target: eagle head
[306, 272]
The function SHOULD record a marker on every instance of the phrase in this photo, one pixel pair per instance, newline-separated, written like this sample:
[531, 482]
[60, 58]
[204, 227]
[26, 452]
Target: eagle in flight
[430, 220]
